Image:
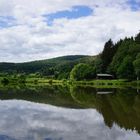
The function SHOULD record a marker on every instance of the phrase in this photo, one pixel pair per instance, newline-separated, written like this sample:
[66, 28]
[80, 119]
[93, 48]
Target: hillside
[56, 66]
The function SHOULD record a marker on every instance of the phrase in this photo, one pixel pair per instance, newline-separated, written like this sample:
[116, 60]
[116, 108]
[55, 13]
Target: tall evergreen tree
[137, 38]
[107, 55]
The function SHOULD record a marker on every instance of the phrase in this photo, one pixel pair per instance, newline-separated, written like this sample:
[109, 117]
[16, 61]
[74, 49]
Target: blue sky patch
[6, 21]
[76, 12]
[135, 6]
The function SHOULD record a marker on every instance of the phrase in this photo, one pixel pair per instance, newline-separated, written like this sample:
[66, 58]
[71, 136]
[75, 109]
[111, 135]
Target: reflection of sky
[21, 120]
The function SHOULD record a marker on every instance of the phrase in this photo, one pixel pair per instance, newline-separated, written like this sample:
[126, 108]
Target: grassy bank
[97, 83]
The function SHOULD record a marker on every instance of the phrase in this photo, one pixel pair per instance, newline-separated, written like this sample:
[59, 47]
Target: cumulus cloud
[29, 37]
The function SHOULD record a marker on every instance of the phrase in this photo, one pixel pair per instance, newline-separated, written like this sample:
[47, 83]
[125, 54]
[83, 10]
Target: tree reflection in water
[119, 106]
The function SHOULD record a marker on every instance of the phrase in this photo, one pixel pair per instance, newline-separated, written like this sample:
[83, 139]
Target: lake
[55, 112]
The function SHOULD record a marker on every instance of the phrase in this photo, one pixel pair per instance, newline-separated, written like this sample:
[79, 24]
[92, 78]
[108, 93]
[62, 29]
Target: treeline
[121, 59]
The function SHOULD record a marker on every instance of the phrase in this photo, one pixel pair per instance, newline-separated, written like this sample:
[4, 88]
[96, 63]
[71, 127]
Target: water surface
[69, 113]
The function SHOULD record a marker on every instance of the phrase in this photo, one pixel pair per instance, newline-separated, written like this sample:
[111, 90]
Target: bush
[82, 72]
[5, 81]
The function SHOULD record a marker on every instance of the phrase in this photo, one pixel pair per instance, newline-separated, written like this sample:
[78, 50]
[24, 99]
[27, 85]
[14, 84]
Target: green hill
[58, 67]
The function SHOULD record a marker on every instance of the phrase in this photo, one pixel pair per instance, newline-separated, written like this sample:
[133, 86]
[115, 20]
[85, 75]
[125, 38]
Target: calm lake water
[69, 113]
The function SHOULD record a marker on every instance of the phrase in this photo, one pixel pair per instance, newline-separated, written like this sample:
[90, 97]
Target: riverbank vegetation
[27, 81]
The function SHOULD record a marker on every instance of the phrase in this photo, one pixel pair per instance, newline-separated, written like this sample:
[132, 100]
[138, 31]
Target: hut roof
[105, 75]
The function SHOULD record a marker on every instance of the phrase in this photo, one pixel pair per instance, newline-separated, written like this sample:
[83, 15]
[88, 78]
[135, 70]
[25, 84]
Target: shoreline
[97, 83]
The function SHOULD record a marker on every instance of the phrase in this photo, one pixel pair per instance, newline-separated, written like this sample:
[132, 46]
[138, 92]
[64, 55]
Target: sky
[41, 29]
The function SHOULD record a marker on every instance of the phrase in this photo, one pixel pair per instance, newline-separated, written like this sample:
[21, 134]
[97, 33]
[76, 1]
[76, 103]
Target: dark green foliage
[7, 68]
[126, 69]
[124, 62]
[82, 72]
[137, 65]
[107, 55]
[137, 38]
[22, 78]
[99, 64]
[5, 81]
[120, 55]
[47, 71]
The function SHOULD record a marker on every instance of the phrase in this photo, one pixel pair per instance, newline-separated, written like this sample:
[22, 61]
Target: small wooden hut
[104, 76]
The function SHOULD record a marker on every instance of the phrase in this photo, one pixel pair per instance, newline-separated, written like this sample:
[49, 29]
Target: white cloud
[31, 38]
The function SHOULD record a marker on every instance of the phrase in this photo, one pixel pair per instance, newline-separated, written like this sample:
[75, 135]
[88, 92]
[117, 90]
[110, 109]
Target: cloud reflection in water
[22, 120]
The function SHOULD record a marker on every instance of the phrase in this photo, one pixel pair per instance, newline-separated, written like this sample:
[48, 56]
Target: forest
[121, 59]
